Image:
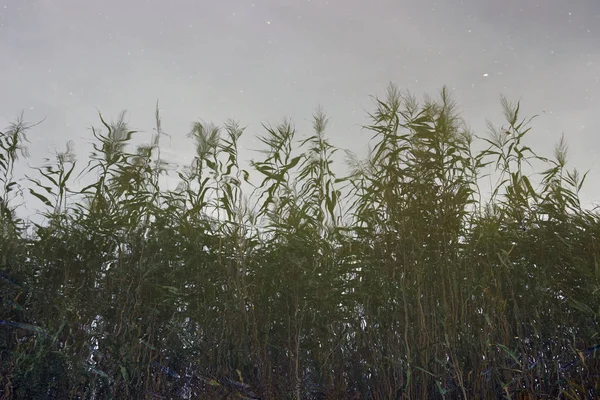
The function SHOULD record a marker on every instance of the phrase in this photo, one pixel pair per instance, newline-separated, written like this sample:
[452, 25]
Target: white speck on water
[469, 30]
[485, 75]
[268, 22]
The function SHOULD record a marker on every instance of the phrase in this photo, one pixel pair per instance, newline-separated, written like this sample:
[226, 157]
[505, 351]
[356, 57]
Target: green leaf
[41, 197]
[10, 186]
[124, 373]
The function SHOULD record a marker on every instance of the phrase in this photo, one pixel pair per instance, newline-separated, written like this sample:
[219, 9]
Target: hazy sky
[263, 60]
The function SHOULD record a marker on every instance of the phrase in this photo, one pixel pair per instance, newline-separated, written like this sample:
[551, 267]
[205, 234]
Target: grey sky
[263, 60]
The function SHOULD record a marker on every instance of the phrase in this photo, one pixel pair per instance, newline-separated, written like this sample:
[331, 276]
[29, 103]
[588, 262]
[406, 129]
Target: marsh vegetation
[403, 278]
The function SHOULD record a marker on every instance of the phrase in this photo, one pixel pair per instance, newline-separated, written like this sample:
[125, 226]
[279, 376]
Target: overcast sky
[259, 61]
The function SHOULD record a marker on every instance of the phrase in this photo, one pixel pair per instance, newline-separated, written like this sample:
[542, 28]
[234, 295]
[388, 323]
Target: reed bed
[401, 279]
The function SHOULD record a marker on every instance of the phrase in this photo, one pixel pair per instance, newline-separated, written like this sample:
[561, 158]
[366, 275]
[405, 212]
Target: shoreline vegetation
[285, 281]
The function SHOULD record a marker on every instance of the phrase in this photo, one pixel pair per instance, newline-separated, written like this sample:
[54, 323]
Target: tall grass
[399, 280]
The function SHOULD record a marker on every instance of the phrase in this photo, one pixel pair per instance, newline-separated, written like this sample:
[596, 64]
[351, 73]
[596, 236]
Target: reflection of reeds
[397, 281]
[166, 370]
[27, 327]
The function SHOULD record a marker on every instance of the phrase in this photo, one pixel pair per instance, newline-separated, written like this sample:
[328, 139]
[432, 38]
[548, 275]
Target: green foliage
[396, 281]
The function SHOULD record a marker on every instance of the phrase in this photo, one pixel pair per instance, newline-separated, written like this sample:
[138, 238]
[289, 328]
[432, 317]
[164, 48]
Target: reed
[402, 279]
